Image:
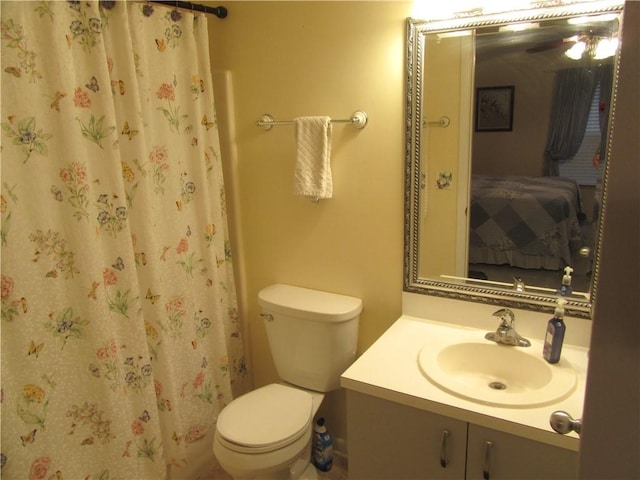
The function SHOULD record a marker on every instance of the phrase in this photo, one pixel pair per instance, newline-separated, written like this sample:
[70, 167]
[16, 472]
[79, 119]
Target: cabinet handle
[444, 459]
[563, 423]
[487, 460]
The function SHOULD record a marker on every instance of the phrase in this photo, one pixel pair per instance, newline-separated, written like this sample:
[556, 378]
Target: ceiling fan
[593, 46]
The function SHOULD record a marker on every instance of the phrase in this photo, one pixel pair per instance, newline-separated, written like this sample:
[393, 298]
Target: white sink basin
[492, 374]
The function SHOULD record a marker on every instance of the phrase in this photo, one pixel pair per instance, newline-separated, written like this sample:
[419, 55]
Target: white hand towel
[313, 160]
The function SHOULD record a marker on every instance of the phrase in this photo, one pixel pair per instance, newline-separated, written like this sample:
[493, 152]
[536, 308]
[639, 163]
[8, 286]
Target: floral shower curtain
[121, 340]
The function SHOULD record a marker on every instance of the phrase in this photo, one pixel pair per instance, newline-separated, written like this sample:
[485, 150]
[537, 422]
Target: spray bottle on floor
[322, 446]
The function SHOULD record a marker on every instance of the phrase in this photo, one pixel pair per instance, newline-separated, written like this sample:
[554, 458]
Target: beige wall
[520, 151]
[319, 58]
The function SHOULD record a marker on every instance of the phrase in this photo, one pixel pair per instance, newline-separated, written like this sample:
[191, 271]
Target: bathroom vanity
[402, 424]
[430, 398]
[392, 440]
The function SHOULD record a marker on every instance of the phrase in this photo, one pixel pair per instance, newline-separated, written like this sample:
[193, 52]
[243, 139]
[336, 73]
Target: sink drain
[497, 386]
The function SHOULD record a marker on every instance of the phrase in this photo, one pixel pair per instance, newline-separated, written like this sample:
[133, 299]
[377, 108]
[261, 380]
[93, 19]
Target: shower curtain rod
[220, 12]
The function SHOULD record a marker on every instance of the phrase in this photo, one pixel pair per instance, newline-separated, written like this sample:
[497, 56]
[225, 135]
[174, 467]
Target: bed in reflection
[525, 222]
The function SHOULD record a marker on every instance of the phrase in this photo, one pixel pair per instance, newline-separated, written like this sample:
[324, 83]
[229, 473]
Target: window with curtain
[575, 91]
[580, 167]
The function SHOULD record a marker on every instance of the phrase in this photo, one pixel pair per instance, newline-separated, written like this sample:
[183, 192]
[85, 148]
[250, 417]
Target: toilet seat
[265, 419]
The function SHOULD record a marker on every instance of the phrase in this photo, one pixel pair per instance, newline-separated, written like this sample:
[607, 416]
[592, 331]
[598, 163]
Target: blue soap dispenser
[555, 334]
[565, 289]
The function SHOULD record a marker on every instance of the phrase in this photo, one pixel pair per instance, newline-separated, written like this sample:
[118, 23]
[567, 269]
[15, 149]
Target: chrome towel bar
[442, 122]
[358, 120]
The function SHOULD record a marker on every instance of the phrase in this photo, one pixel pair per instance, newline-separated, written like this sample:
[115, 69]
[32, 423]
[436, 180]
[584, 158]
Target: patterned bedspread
[526, 222]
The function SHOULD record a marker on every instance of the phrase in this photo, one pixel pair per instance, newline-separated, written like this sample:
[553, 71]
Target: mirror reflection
[509, 155]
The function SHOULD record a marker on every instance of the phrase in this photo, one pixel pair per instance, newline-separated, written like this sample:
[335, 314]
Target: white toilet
[312, 336]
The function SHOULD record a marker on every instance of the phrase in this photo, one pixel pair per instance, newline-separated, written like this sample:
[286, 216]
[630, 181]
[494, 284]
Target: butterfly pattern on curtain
[121, 337]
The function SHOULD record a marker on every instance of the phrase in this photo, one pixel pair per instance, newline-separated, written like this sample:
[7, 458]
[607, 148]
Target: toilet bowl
[267, 433]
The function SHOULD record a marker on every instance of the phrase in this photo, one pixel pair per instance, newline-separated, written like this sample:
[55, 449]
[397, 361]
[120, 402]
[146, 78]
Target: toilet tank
[312, 334]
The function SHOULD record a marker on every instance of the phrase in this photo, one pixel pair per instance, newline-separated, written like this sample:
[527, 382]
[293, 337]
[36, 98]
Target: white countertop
[389, 370]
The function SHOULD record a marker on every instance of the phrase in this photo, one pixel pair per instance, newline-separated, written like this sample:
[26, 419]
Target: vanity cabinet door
[393, 441]
[493, 455]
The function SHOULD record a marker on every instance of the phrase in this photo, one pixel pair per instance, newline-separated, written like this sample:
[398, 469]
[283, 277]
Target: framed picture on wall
[494, 109]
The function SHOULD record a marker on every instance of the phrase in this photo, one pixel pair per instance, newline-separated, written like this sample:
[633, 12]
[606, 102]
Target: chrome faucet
[506, 333]
[518, 284]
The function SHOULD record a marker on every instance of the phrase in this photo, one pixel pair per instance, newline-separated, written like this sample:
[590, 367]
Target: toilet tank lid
[309, 304]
